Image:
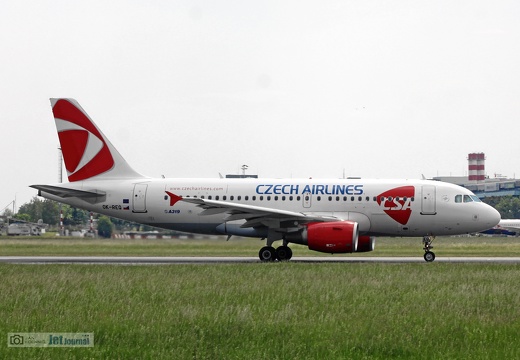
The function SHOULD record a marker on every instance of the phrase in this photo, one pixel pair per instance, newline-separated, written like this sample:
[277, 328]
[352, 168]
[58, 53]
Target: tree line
[73, 218]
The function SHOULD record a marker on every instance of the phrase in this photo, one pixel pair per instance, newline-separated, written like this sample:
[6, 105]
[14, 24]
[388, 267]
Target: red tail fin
[86, 151]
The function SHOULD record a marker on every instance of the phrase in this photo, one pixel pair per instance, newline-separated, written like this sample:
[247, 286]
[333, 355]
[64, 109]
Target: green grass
[443, 246]
[267, 311]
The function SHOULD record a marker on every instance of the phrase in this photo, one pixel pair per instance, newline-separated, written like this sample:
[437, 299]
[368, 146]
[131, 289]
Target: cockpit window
[466, 198]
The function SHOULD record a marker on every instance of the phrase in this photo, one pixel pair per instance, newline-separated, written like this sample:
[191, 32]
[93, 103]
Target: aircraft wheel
[429, 256]
[267, 253]
[283, 253]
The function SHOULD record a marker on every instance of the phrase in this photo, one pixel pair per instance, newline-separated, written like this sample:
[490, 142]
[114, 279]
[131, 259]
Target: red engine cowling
[366, 243]
[333, 237]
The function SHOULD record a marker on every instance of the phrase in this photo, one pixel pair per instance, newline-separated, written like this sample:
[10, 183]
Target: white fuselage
[380, 207]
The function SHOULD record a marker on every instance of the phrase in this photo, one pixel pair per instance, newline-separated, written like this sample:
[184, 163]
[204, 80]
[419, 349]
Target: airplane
[505, 227]
[326, 215]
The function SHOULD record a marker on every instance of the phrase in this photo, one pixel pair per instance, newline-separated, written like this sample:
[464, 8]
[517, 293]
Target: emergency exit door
[428, 200]
[139, 198]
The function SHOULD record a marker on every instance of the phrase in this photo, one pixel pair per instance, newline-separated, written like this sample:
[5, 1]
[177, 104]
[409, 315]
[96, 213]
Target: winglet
[86, 150]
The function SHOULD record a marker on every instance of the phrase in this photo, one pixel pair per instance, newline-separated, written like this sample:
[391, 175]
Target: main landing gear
[282, 253]
[429, 256]
[269, 253]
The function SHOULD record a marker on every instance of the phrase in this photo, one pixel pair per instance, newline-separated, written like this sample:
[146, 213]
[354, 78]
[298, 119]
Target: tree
[74, 217]
[509, 207]
[23, 217]
[33, 209]
[104, 226]
[36, 209]
[8, 213]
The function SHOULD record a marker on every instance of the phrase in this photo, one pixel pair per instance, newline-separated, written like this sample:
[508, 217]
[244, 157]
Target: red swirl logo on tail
[397, 203]
[85, 152]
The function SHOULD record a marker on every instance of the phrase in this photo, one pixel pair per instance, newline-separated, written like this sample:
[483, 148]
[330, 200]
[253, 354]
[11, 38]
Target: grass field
[267, 311]
[264, 311]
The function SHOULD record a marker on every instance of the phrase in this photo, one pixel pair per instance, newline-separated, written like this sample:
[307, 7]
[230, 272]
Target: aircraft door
[307, 199]
[428, 200]
[139, 199]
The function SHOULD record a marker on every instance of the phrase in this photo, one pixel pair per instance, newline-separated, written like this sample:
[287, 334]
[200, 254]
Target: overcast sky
[377, 89]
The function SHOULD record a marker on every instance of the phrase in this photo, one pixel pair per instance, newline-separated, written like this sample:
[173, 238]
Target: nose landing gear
[429, 256]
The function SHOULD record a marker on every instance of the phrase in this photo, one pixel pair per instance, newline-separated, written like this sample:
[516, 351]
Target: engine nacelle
[328, 237]
[366, 243]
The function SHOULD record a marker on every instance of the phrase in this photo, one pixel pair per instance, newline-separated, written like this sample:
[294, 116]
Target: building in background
[481, 184]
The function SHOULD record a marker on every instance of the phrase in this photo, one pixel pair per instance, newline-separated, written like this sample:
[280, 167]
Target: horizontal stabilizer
[92, 196]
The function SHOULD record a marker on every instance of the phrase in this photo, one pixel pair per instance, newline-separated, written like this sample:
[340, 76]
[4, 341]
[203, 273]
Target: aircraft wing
[92, 196]
[255, 215]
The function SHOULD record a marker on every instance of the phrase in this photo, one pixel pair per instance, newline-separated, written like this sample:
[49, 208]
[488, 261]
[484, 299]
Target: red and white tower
[476, 167]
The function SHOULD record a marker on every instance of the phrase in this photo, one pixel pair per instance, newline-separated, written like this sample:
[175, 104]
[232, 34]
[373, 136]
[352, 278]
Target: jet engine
[328, 237]
[366, 243]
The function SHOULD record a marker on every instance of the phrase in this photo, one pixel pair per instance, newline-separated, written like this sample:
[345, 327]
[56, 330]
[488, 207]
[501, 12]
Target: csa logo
[85, 152]
[397, 203]
[173, 198]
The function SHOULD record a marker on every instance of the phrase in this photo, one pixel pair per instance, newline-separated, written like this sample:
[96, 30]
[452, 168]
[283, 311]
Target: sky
[322, 89]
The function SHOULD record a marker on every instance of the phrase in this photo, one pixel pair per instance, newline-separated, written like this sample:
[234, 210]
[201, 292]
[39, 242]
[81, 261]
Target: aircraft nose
[491, 216]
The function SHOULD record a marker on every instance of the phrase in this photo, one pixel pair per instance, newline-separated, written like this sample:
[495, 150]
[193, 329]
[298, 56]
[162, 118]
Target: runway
[160, 260]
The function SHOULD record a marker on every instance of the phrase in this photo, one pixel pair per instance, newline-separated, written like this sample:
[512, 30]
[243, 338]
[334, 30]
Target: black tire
[267, 253]
[429, 256]
[283, 253]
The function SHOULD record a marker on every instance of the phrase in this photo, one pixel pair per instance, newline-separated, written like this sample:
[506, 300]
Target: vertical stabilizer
[86, 150]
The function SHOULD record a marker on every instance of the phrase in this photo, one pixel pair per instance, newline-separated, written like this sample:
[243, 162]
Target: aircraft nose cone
[492, 216]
